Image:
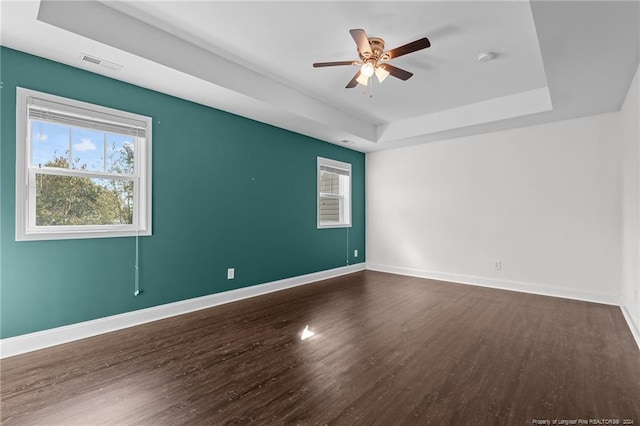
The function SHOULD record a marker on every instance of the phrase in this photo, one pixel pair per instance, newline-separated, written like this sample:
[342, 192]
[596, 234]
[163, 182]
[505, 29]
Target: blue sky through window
[49, 140]
[88, 149]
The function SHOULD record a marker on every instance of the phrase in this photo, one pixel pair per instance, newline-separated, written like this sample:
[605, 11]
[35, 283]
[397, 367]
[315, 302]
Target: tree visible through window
[66, 200]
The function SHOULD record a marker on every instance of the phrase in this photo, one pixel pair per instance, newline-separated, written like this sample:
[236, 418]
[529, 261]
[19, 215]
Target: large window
[334, 193]
[82, 170]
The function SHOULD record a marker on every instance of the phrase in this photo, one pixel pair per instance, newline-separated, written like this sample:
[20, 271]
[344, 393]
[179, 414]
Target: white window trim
[346, 222]
[25, 179]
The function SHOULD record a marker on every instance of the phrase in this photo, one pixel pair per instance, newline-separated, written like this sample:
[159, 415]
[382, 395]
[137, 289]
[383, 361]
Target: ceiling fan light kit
[367, 69]
[373, 58]
[361, 79]
[381, 73]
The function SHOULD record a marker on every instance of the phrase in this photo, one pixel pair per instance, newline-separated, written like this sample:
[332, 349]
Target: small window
[334, 193]
[82, 170]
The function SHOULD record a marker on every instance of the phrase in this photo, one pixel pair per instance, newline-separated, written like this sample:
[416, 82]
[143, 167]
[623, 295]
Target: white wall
[630, 135]
[544, 200]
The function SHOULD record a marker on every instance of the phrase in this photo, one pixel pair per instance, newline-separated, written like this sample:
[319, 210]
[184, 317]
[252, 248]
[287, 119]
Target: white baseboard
[43, 339]
[635, 330]
[541, 289]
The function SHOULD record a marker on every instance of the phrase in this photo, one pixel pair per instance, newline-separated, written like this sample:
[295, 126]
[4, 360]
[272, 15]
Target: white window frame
[26, 228]
[345, 196]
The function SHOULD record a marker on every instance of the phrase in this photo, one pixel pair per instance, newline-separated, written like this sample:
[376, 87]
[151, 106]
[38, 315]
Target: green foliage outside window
[66, 200]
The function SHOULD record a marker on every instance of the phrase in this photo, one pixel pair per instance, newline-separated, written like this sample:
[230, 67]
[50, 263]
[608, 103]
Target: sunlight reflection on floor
[306, 333]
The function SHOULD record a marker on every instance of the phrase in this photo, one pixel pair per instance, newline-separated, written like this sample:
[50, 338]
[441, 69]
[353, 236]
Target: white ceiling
[555, 60]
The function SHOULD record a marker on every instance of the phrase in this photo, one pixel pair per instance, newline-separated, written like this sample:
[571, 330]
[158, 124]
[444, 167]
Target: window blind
[335, 170]
[329, 183]
[329, 209]
[42, 110]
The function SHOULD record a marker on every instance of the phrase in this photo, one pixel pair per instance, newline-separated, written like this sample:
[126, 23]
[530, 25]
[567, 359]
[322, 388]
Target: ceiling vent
[100, 62]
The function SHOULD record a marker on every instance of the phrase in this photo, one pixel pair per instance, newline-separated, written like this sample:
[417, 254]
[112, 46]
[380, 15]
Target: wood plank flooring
[388, 350]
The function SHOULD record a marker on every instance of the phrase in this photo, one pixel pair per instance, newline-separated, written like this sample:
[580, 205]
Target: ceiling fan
[373, 58]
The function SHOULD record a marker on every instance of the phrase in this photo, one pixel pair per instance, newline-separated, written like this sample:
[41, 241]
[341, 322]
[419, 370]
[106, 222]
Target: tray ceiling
[554, 60]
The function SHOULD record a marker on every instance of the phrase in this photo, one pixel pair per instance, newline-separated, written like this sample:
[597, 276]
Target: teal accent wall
[227, 192]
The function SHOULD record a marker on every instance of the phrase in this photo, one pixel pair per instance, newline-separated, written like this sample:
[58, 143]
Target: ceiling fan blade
[333, 64]
[396, 72]
[360, 37]
[420, 44]
[354, 81]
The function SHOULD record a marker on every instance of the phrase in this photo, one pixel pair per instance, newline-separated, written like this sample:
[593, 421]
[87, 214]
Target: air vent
[91, 59]
[100, 62]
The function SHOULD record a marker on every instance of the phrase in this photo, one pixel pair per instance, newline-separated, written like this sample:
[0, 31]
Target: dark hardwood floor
[388, 350]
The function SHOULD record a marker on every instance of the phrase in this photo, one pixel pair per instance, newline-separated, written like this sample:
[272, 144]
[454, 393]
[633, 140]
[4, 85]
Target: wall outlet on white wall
[355, 253]
[497, 265]
[231, 273]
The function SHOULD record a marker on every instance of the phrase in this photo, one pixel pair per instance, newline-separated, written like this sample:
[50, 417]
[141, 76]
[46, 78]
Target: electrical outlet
[355, 253]
[231, 273]
[497, 265]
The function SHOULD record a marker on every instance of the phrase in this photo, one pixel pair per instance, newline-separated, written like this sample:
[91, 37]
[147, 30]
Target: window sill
[75, 235]
[334, 225]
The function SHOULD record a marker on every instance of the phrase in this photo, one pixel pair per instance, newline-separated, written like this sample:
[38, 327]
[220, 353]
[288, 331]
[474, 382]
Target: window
[334, 193]
[82, 171]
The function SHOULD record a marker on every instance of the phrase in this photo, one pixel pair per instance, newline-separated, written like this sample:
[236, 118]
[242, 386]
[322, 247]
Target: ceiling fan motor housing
[377, 49]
